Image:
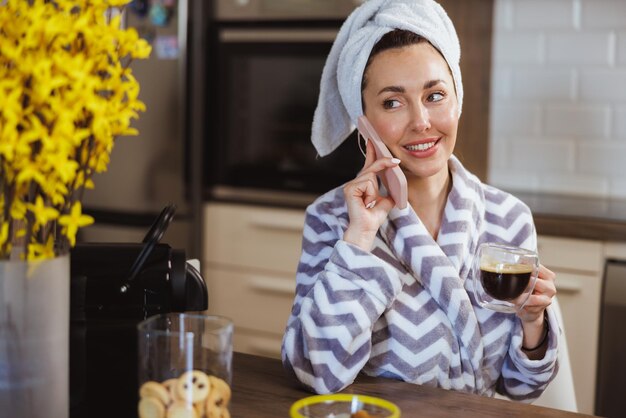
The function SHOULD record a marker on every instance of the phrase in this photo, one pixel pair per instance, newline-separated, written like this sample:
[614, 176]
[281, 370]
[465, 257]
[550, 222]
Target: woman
[384, 290]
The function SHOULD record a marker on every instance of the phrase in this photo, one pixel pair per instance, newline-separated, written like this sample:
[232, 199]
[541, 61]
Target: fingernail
[370, 204]
[395, 160]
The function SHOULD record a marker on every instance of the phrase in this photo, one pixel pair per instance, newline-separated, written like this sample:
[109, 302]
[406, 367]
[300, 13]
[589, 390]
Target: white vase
[34, 338]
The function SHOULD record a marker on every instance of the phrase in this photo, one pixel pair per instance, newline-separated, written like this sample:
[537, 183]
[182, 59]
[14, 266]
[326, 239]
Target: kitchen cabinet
[579, 265]
[250, 259]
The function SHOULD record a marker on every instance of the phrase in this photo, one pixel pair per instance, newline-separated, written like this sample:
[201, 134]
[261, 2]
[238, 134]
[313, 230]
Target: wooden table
[262, 388]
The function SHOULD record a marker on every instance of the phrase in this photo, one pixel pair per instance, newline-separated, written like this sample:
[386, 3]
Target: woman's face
[410, 100]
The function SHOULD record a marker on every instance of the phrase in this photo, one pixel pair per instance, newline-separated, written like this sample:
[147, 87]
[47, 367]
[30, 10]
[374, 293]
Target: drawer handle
[271, 285]
[283, 224]
[568, 286]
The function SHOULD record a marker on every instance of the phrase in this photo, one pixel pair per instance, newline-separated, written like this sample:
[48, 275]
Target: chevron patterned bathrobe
[405, 310]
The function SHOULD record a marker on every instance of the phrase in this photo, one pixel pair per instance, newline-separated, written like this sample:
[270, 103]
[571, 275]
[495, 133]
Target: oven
[264, 67]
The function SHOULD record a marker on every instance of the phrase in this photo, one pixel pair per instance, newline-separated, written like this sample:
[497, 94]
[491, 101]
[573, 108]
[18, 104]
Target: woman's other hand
[532, 314]
[541, 298]
[367, 209]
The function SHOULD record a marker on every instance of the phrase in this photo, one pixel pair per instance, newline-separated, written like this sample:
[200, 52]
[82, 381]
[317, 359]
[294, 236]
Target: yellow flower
[38, 251]
[73, 221]
[18, 209]
[63, 166]
[31, 172]
[142, 49]
[43, 214]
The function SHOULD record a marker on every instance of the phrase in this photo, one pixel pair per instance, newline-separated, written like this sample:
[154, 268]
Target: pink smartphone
[393, 178]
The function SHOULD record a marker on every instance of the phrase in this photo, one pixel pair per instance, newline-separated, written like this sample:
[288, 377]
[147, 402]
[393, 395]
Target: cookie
[193, 386]
[215, 412]
[150, 407]
[220, 393]
[170, 385]
[200, 408]
[180, 409]
[155, 390]
[217, 401]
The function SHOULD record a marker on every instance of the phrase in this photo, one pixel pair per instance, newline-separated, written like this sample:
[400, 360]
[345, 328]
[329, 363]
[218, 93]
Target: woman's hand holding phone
[393, 178]
[367, 209]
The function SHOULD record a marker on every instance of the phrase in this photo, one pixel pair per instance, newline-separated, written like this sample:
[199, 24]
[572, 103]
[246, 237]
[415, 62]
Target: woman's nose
[420, 118]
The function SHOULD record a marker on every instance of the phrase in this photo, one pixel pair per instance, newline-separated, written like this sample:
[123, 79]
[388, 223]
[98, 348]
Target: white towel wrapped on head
[339, 104]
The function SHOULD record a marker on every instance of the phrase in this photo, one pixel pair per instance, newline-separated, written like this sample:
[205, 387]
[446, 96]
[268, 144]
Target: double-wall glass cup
[185, 365]
[504, 276]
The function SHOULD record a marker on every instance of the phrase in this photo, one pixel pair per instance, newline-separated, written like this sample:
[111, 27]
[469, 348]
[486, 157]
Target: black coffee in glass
[505, 281]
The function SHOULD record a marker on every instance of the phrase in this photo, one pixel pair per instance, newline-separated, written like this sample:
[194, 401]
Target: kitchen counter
[577, 217]
[262, 388]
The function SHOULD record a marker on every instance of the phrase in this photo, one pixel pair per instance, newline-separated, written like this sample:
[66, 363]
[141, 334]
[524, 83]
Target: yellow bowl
[343, 406]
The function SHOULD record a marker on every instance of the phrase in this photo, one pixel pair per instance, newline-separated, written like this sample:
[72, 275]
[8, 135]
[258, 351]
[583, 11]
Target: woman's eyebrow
[432, 83]
[393, 89]
[399, 89]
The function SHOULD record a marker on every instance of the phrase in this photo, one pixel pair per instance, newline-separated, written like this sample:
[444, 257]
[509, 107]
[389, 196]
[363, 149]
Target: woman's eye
[435, 97]
[391, 104]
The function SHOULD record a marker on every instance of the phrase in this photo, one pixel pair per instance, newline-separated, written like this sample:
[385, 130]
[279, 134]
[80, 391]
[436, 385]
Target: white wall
[558, 98]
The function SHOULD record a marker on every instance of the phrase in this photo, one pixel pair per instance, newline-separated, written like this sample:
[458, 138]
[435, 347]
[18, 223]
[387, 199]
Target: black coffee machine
[113, 288]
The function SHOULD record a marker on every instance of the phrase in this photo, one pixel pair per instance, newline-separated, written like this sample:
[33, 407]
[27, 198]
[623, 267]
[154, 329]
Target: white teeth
[420, 147]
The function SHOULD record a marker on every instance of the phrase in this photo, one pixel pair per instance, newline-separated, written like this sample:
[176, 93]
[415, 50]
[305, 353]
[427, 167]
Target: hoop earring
[359, 138]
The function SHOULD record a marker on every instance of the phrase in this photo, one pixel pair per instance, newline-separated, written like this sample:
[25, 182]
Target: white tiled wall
[558, 97]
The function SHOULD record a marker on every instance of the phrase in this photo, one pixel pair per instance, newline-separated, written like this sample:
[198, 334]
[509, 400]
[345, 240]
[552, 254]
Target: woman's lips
[424, 148]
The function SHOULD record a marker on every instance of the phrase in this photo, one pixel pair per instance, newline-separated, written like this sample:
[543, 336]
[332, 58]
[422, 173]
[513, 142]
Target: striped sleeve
[340, 293]
[523, 379]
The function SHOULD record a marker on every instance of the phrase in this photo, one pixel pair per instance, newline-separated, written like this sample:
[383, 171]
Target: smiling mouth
[421, 147]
